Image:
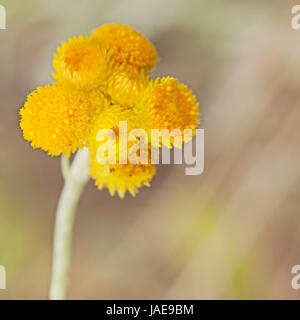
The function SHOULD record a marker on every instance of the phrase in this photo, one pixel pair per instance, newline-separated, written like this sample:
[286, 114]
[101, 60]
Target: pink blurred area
[232, 232]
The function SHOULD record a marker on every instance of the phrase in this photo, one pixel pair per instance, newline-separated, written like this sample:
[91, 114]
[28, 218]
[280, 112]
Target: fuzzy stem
[76, 178]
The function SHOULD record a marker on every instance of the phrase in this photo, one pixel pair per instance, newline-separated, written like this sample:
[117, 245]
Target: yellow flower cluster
[102, 79]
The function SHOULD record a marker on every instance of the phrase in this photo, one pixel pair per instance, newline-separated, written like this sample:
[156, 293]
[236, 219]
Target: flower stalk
[75, 178]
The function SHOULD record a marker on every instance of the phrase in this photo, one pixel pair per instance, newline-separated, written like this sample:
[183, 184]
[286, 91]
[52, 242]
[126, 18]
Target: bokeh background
[232, 232]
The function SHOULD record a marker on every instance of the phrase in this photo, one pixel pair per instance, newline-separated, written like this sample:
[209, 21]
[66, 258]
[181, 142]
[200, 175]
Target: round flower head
[81, 63]
[126, 84]
[172, 106]
[127, 45]
[55, 119]
[115, 175]
[110, 119]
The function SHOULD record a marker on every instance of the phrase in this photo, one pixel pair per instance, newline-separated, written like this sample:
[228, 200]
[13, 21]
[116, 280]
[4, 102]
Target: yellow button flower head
[127, 45]
[171, 105]
[107, 119]
[55, 119]
[103, 79]
[81, 63]
[116, 177]
[126, 84]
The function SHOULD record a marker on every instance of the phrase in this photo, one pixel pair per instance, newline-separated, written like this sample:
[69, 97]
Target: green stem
[76, 178]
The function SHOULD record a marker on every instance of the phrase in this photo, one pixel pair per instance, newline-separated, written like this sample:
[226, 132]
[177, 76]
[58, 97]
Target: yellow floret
[97, 102]
[127, 45]
[81, 63]
[126, 85]
[108, 118]
[168, 104]
[55, 119]
[122, 177]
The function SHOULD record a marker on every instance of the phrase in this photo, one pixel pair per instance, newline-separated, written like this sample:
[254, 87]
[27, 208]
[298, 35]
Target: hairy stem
[76, 178]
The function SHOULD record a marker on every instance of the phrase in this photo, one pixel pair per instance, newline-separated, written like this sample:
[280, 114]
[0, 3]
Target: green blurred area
[231, 232]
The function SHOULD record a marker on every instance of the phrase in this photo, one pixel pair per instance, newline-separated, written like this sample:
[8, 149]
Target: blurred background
[232, 232]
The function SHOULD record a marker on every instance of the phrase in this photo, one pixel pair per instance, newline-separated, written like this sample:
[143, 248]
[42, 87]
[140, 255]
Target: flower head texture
[170, 105]
[101, 82]
[126, 84]
[122, 177]
[126, 45]
[81, 63]
[55, 119]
